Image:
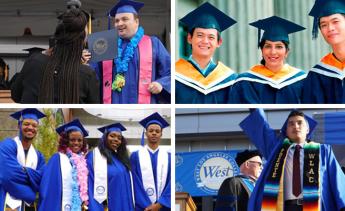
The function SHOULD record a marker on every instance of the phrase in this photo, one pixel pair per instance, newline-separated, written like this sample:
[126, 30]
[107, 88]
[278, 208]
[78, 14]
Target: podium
[184, 202]
[5, 96]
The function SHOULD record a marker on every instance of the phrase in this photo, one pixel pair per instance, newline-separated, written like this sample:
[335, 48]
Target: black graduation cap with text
[324, 8]
[275, 29]
[207, 16]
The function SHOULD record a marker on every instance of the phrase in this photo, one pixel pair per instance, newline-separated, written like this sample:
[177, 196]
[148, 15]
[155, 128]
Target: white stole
[100, 170]
[66, 177]
[147, 172]
[100, 188]
[30, 161]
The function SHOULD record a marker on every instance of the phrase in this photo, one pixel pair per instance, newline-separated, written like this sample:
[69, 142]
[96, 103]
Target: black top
[233, 194]
[26, 87]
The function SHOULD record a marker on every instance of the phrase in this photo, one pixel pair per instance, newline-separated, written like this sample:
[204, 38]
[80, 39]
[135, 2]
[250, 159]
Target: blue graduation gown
[160, 73]
[191, 90]
[332, 179]
[325, 82]
[257, 89]
[13, 178]
[119, 186]
[142, 200]
[51, 186]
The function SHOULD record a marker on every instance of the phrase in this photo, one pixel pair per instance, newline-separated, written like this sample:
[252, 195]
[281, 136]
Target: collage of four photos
[148, 105]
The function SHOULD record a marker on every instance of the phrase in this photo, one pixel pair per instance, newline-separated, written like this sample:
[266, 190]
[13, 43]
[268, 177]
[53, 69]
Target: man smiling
[325, 81]
[21, 163]
[199, 79]
[141, 71]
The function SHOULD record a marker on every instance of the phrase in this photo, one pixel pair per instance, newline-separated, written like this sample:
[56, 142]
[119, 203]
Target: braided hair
[63, 67]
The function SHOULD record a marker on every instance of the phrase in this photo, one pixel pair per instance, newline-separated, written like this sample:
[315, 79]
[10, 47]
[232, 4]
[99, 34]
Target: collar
[331, 60]
[210, 64]
[151, 150]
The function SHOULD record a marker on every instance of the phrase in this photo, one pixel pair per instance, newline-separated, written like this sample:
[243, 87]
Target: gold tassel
[90, 24]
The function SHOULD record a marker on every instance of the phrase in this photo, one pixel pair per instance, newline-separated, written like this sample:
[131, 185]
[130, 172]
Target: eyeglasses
[259, 163]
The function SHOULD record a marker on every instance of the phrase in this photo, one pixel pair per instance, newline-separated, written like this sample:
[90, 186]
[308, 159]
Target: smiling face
[29, 129]
[75, 141]
[274, 54]
[297, 129]
[204, 42]
[126, 24]
[113, 141]
[333, 29]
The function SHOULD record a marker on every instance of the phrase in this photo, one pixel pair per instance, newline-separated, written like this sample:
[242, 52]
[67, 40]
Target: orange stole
[262, 70]
[329, 59]
[186, 69]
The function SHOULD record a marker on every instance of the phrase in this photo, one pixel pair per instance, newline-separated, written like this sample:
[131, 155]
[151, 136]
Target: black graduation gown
[26, 87]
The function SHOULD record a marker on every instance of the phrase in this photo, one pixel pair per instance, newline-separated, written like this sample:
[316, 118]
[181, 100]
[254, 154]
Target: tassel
[90, 24]
[259, 36]
[142, 139]
[109, 17]
[315, 28]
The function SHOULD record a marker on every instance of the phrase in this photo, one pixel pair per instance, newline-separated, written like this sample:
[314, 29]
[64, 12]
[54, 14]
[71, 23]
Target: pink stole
[145, 70]
[145, 73]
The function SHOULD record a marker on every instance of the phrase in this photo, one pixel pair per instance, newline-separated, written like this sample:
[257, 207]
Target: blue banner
[202, 173]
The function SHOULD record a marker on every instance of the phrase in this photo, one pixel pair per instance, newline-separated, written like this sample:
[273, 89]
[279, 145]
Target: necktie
[296, 175]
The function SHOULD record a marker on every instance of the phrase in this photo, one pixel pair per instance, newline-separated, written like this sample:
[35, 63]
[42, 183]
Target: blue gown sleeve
[163, 68]
[165, 198]
[35, 175]
[51, 186]
[141, 199]
[255, 126]
[13, 177]
[336, 180]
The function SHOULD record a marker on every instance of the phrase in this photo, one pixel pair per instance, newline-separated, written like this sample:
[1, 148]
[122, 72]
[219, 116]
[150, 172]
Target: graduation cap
[126, 6]
[103, 45]
[28, 113]
[34, 50]
[324, 8]
[154, 118]
[276, 29]
[117, 127]
[245, 155]
[311, 122]
[208, 17]
[74, 125]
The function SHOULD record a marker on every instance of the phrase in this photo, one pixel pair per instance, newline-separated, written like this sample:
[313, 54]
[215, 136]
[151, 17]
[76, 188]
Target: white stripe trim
[339, 74]
[207, 91]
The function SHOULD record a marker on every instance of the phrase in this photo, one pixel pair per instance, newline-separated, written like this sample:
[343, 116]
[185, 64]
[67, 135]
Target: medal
[119, 82]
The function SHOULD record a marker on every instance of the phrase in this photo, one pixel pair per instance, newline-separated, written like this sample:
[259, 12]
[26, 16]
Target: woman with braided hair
[60, 78]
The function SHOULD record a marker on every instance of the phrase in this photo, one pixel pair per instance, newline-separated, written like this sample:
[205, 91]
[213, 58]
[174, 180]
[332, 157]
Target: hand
[155, 88]
[153, 207]
[85, 56]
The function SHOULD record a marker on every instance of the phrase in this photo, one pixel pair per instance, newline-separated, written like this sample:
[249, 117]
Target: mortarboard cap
[245, 155]
[311, 122]
[208, 17]
[324, 8]
[103, 45]
[276, 29]
[74, 125]
[126, 6]
[28, 113]
[34, 50]
[154, 118]
[117, 127]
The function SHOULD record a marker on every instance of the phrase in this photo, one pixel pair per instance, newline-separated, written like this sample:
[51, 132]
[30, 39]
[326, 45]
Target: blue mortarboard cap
[126, 6]
[28, 113]
[154, 118]
[312, 124]
[117, 127]
[74, 125]
[324, 8]
[276, 29]
[208, 17]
